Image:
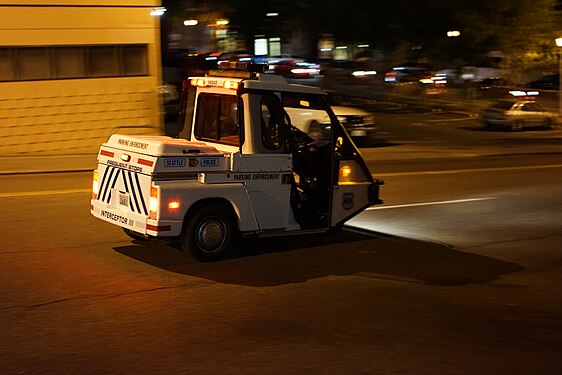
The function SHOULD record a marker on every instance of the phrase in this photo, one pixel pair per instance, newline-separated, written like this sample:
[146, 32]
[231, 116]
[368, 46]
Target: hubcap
[211, 235]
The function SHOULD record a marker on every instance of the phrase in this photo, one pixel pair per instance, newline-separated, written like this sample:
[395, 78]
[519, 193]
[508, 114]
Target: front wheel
[209, 233]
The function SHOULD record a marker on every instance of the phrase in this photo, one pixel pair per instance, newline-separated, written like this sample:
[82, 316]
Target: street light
[453, 33]
[559, 44]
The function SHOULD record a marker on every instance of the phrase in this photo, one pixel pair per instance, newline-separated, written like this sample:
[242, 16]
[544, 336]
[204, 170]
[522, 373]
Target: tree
[521, 30]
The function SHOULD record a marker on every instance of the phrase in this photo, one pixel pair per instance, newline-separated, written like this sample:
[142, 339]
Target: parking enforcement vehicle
[242, 165]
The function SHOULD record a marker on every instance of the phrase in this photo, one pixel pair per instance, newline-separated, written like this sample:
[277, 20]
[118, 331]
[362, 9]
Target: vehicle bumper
[361, 131]
[135, 222]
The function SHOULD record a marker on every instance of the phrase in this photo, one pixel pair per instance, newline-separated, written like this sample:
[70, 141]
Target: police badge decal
[347, 201]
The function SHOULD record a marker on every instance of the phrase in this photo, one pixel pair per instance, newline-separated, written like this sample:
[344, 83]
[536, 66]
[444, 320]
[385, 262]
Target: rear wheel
[209, 233]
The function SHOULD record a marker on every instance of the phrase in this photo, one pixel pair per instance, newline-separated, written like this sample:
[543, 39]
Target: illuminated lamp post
[559, 44]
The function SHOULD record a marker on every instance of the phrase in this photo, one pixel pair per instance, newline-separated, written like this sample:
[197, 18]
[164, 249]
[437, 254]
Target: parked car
[352, 72]
[359, 124]
[293, 67]
[407, 73]
[516, 114]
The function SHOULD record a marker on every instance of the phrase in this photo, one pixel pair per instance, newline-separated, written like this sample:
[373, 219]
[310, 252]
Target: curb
[48, 171]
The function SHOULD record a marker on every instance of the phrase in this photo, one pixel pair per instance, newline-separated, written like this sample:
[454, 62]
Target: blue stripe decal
[140, 192]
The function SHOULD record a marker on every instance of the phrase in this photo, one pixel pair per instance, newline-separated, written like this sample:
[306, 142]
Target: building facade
[73, 72]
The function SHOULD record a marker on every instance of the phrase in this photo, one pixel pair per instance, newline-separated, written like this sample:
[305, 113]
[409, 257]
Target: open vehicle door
[332, 181]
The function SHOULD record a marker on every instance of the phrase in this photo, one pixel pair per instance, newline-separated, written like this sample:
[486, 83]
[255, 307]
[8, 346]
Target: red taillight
[161, 228]
[153, 203]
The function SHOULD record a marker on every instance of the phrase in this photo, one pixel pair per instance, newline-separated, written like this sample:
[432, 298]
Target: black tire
[134, 235]
[209, 233]
[548, 123]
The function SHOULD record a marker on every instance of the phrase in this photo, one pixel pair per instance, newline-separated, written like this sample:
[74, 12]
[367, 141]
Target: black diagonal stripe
[102, 184]
[134, 193]
[141, 196]
[128, 191]
[107, 182]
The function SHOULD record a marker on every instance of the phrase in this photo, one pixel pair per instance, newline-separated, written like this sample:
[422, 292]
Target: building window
[260, 47]
[7, 71]
[69, 62]
[275, 46]
[65, 62]
[103, 62]
[135, 61]
[33, 63]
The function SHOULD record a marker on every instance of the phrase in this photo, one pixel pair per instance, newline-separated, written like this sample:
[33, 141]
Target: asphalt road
[459, 272]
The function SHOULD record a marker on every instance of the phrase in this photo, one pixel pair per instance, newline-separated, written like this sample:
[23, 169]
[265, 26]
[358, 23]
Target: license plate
[124, 200]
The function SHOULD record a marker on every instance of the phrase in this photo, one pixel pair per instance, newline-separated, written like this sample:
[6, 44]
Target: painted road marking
[45, 192]
[431, 203]
[473, 170]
